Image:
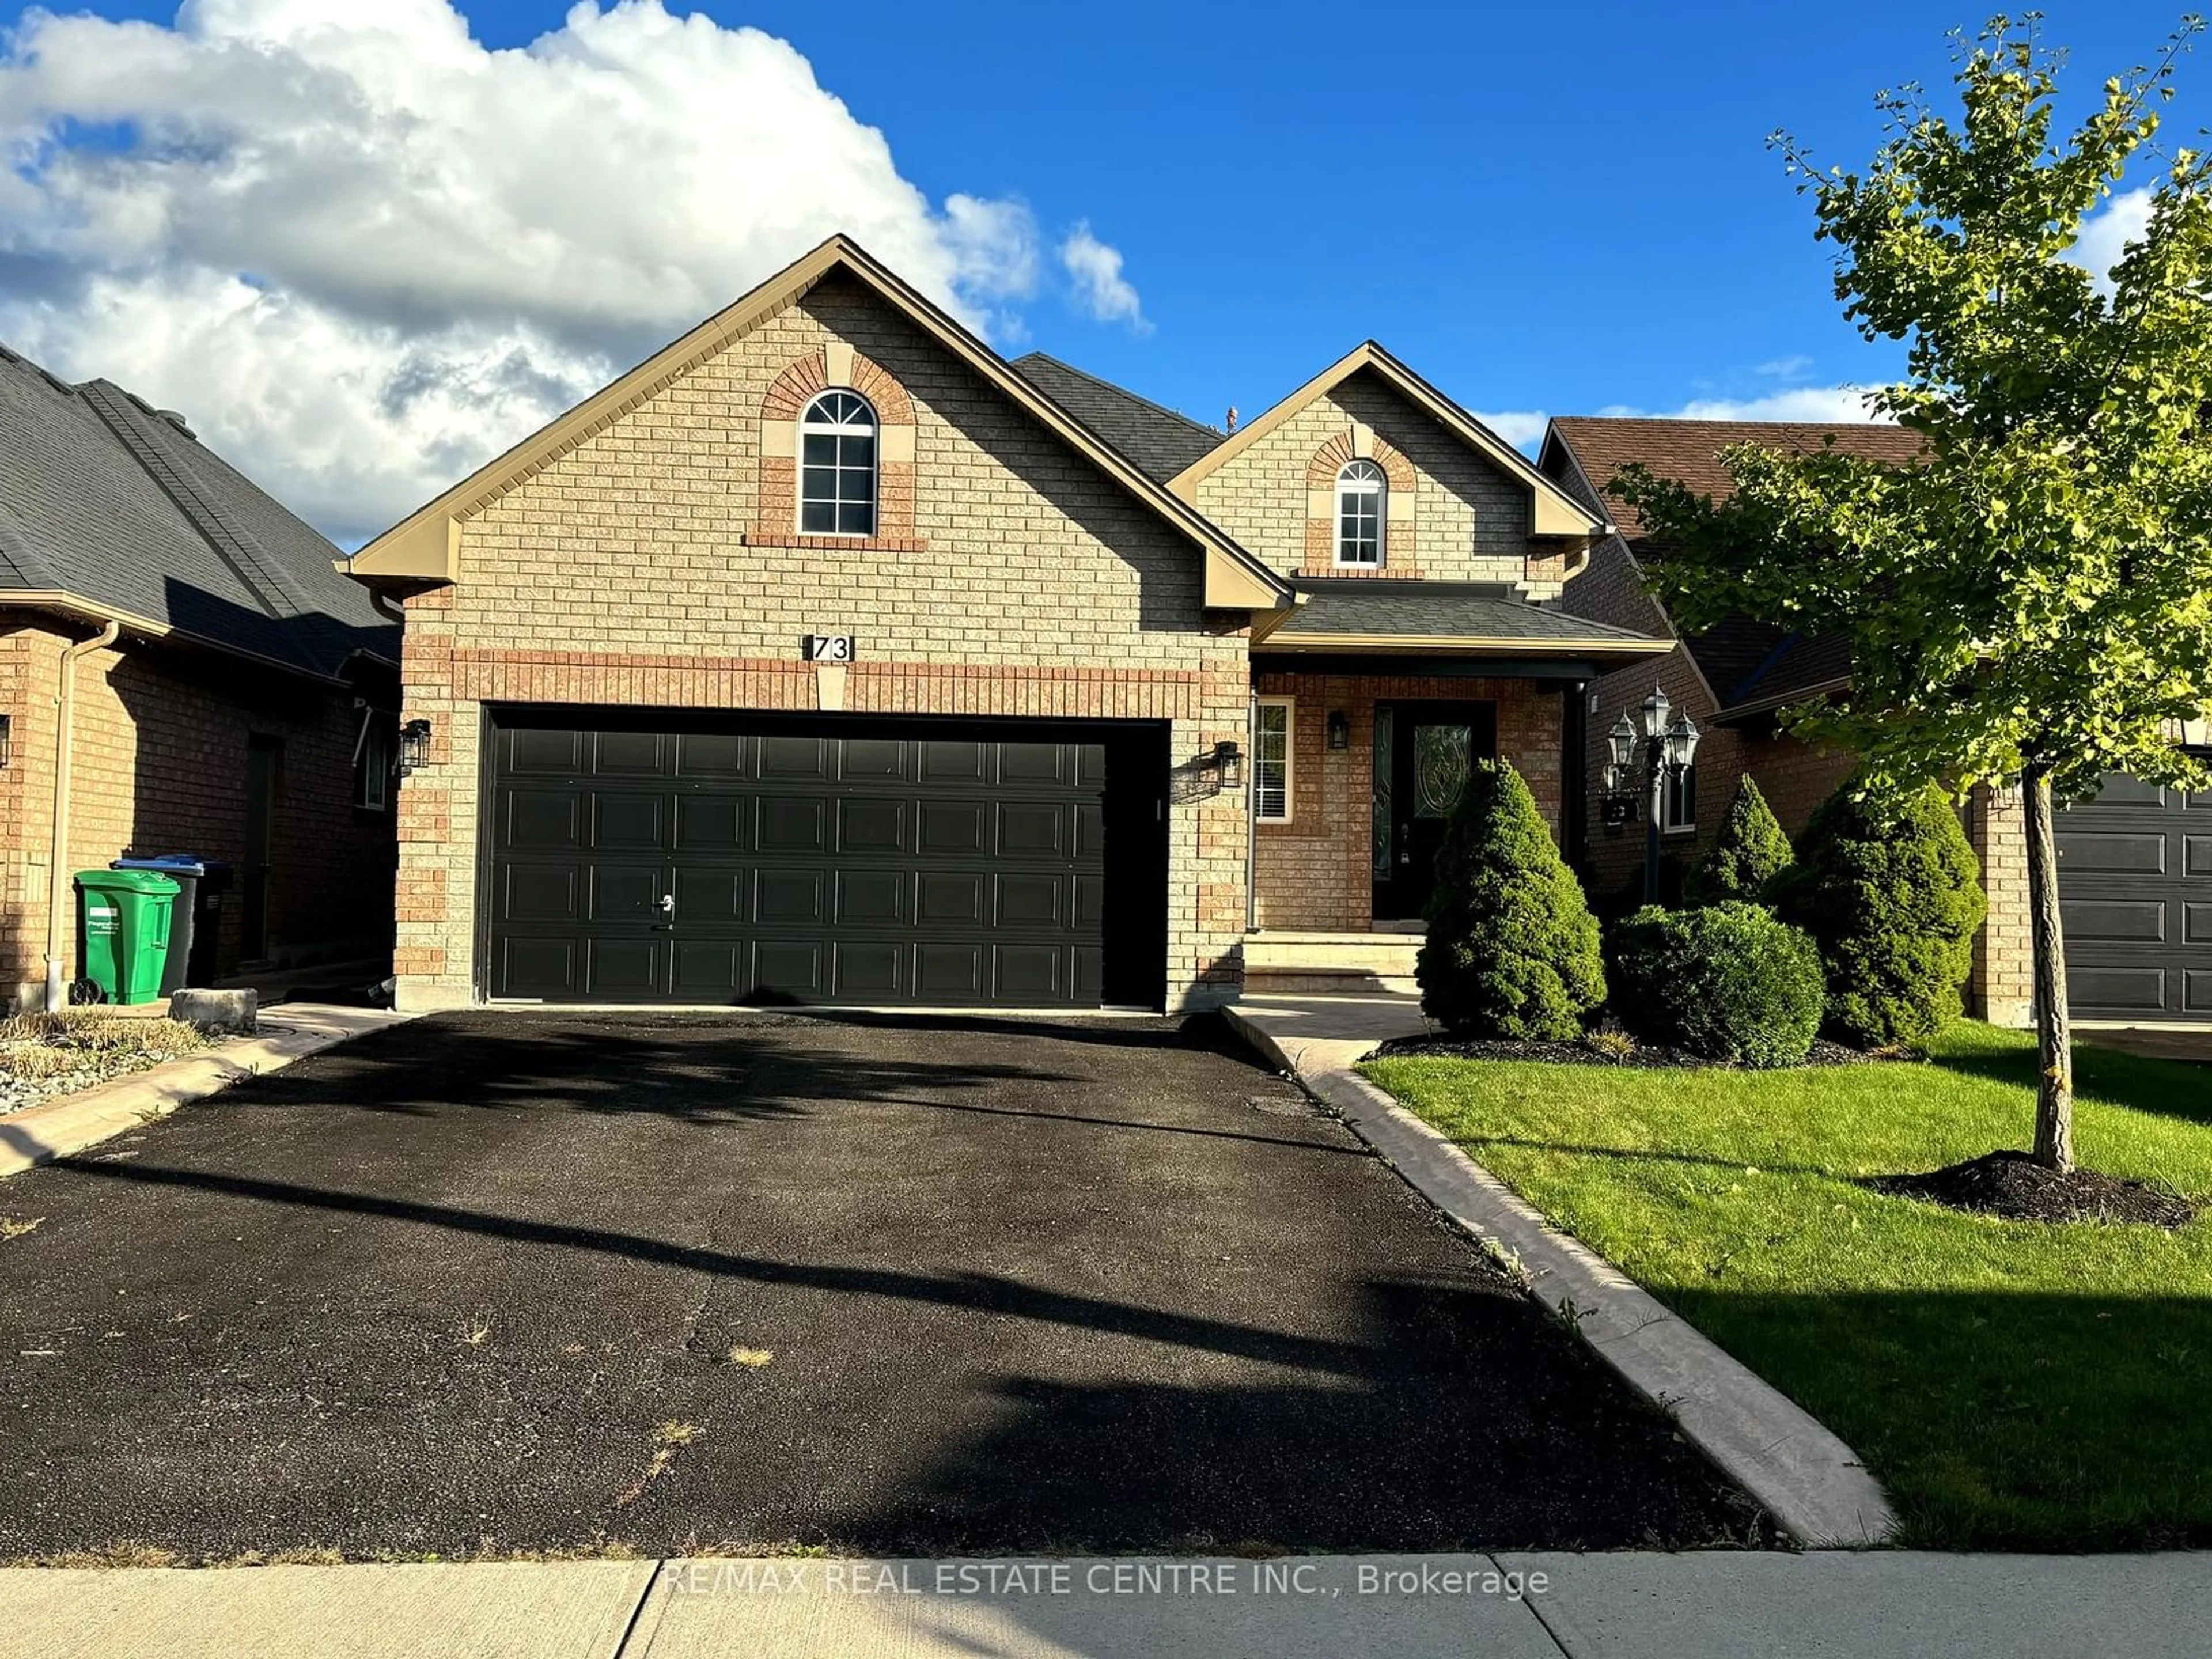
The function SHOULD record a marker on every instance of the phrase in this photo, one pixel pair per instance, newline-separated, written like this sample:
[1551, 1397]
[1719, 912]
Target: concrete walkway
[1812, 1483]
[1714, 1606]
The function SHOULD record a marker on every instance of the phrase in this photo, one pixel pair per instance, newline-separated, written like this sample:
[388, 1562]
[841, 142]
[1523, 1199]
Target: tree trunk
[2054, 1030]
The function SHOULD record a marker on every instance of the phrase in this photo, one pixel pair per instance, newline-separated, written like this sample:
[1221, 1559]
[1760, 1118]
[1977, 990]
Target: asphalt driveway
[549, 1281]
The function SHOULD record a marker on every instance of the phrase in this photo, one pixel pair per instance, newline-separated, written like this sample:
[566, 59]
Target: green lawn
[2013, 1385]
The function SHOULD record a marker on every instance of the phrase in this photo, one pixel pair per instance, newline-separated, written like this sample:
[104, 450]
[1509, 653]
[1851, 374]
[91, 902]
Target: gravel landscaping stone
[46, 1056]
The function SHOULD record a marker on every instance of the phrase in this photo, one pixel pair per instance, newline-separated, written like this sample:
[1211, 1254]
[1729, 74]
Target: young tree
[1746, 855]
[2030, 604]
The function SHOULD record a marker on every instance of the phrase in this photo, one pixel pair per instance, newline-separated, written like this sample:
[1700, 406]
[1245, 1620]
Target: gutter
[57, 891]
[69, 604]
[1767, 705]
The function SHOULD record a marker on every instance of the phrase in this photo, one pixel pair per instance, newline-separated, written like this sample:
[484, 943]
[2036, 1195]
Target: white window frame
[1669, 823]
[373, 764]
[821, 426]
[1369, 484]
[1289, 707]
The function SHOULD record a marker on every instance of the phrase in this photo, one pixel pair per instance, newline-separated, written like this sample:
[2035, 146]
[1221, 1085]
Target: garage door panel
[530, 967]
[928, 866]
[785, 898]
[539, 892]
[794, 757]
[871, 826]
[2125, 921]
[2197, 991]
[541, 820]
[621, 752]
[793, 823]
[621, 821]
[948, 971]
[2196, 855]
[559, 753]
[711, 757]
[713, 824]
[870, 970]
[625, 892]
[2112, 989]
[1029, 829]
[2196, 923]
[2118, 854]
[618, 969]
[949, 828]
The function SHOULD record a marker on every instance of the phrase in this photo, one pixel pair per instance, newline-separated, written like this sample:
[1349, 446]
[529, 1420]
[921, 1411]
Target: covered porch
[1371, 702]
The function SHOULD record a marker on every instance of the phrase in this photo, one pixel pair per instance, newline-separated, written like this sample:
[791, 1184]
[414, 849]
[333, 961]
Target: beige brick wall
[1316, 871]
[1463, 519]
[638, 569]
[159, 765]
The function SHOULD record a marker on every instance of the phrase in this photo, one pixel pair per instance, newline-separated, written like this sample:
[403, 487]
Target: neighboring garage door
[824, 859]
[2135, 886]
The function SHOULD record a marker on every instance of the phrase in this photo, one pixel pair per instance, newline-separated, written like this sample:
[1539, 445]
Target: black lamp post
[1667, 752]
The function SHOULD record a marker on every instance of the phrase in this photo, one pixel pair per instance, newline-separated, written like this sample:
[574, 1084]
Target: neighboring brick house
[1733, 678]
[829, 657]
[184, 650]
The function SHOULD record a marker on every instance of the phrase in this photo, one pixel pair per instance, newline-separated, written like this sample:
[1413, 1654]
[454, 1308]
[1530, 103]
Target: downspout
[57, 893]
[1252, 811]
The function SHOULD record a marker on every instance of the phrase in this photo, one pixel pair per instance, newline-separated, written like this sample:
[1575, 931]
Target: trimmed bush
[1886, 883]
[1747, 856]
[1512, 950]
[1727, 983]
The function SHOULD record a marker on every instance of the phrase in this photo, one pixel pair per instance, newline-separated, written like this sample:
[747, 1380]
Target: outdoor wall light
[1661, 752]
[1340, 729]
[1623, 739]
[414, 746]
[1681, 741]
[7, 739]
[1656, 710]
[1228, 762]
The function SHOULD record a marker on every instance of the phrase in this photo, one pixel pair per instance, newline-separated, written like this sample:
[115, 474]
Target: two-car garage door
[824, 859]
[2135, 886]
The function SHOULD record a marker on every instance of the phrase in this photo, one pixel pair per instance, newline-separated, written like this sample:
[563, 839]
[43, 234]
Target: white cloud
[2105, 236]
[1101, 290]
[1522, 427]
[362, 252]
[1791, 367]
[1805, 402]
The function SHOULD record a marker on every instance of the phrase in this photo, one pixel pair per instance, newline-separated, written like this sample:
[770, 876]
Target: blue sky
[1556, 208]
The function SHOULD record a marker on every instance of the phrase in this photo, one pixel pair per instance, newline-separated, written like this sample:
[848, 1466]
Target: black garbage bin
[196, 928]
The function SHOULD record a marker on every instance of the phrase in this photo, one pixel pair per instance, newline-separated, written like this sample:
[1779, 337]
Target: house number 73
[828, 648]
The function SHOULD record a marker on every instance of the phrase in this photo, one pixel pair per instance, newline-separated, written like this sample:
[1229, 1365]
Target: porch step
[1292, 961]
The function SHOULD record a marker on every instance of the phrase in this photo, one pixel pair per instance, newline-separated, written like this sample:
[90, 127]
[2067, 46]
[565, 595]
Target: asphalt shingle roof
[1433, 611]
[1160, 442]
[107, 500]
[1741, 660]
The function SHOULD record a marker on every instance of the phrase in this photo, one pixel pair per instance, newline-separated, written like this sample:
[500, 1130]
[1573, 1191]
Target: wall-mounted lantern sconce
[414, 746]
[1228, 762]
[7, 739]
[1340, 729]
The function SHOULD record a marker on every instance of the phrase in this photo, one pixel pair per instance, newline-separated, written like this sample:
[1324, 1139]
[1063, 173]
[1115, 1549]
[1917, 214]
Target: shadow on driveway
[549, 1281]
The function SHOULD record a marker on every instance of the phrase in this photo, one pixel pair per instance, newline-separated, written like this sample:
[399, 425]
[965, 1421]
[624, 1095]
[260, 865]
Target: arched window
[1360, 496]
[838, 466]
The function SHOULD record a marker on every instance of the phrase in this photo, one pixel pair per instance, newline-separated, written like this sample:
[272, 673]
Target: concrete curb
[1814, 1486]
[291, 1030]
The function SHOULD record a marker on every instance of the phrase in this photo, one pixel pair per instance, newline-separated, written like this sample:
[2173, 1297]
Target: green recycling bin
[123, 931]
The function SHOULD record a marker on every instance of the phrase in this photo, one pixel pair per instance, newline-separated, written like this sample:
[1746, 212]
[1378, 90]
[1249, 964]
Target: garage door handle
[668, 904]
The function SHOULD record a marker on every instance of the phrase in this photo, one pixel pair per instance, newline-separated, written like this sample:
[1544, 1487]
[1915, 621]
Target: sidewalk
[1717, 1606]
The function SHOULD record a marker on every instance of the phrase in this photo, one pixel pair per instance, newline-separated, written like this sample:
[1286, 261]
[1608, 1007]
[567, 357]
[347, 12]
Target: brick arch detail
[1399, 545]
[776, 515]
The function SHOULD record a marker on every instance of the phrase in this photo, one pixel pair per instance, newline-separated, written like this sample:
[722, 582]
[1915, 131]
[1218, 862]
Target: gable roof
[1372, 616]
[1690, 451]
[1552, 511]
[424, 545]
[113, 509]
[1749, 665]
[1156, 438]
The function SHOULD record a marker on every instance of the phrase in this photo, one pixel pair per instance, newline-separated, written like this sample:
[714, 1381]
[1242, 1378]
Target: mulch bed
[2015, 1187]
[1642, 1057]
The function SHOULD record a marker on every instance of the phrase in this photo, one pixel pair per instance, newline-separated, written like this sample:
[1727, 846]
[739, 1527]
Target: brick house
[827, 656]
[1732, 680]
[182, 669]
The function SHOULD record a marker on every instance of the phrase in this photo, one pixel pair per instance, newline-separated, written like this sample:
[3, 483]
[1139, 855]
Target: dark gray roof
[1160, 442]
[105, 499]
[1437, 610]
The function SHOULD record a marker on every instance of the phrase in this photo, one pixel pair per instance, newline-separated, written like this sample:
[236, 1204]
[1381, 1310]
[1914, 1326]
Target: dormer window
[1360, 489]
[838, 466]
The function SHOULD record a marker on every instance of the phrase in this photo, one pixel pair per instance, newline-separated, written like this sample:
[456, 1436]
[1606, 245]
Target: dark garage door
[824, 859]
[2135, 888]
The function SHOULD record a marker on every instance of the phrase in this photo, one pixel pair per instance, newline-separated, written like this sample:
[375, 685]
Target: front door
[1423, 754]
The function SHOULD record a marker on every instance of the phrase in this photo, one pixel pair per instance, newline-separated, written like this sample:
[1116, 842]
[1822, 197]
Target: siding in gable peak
[1468, 520]
[651, 535]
